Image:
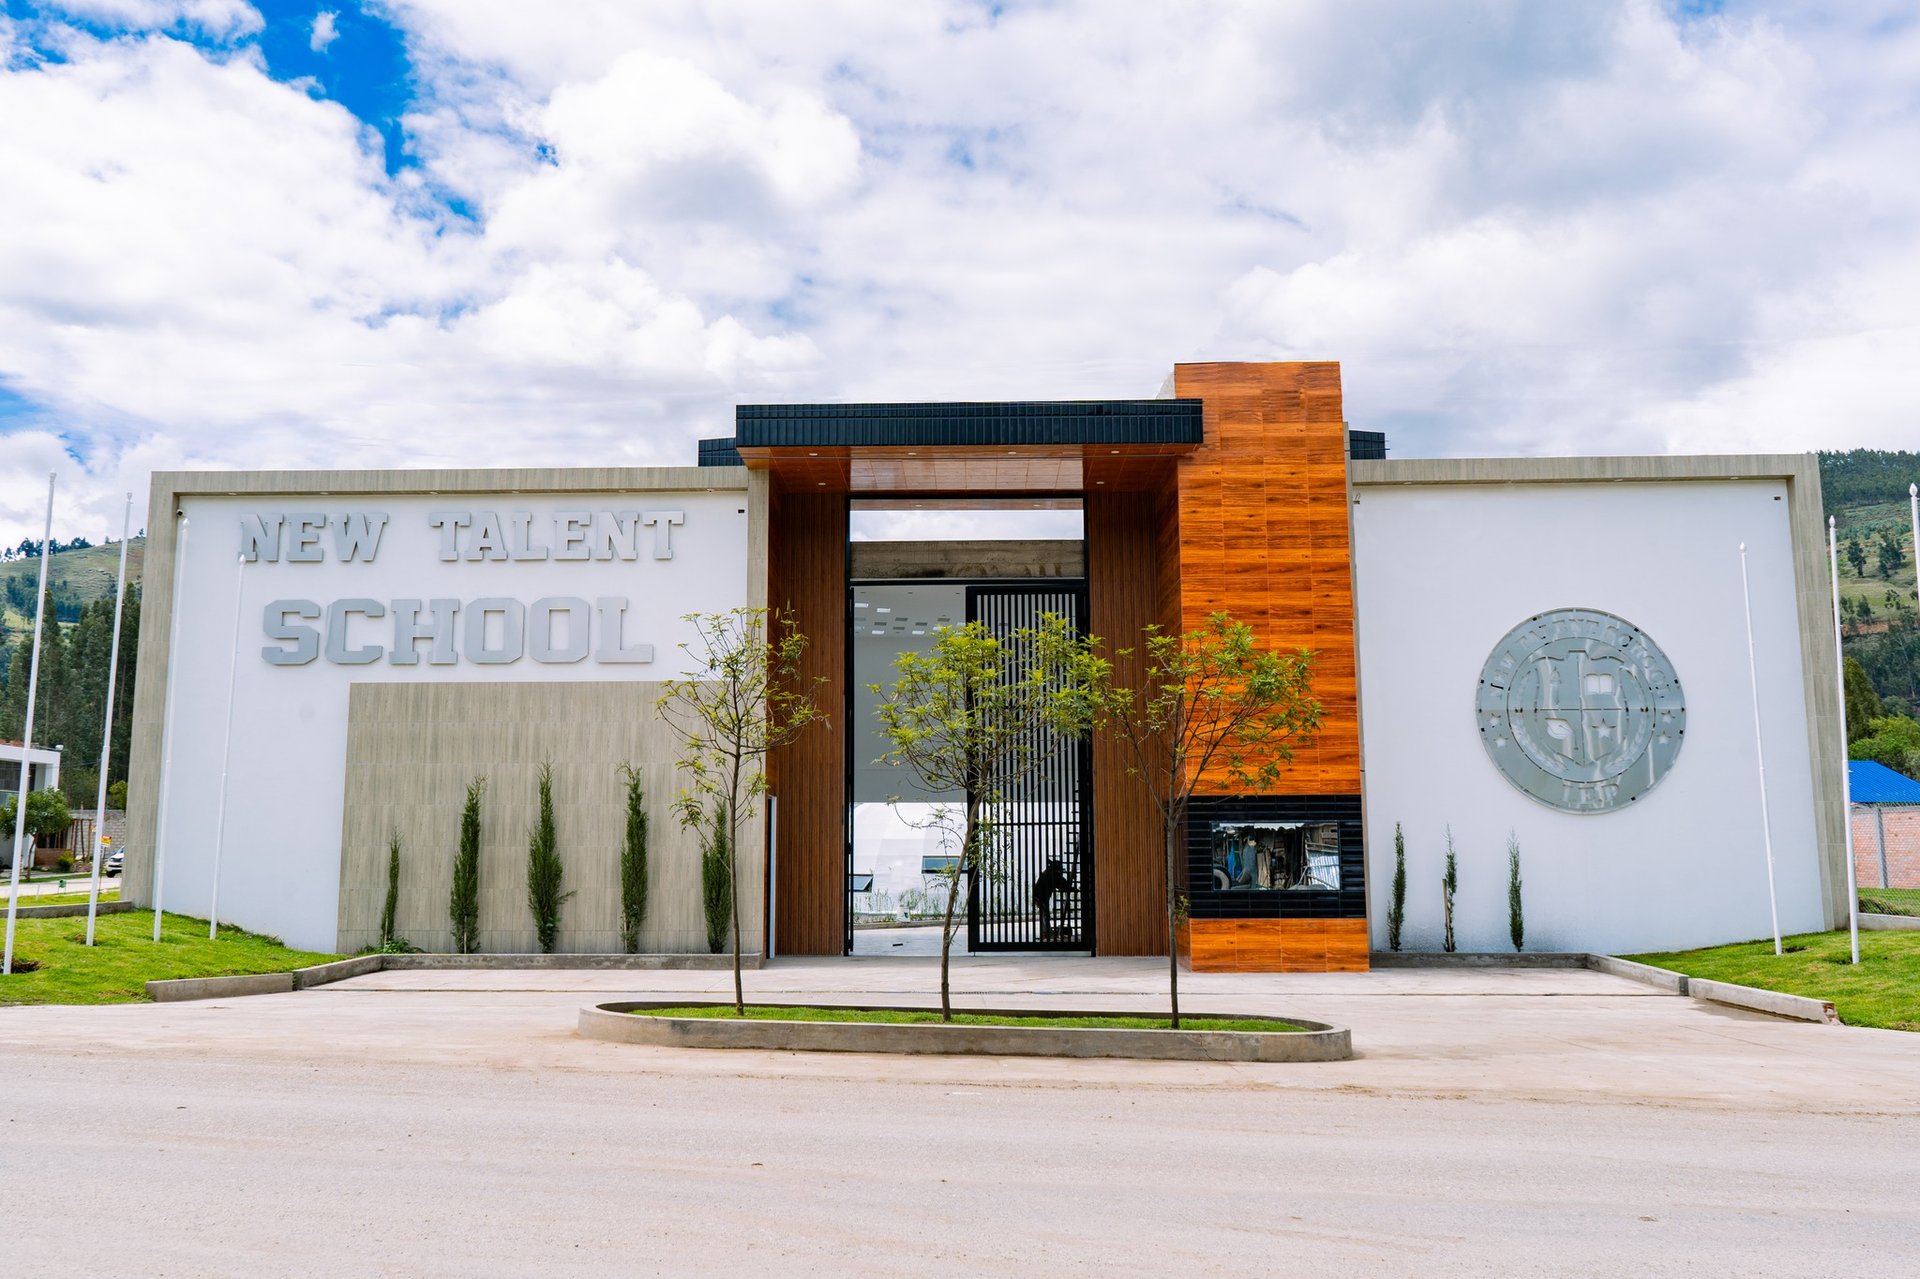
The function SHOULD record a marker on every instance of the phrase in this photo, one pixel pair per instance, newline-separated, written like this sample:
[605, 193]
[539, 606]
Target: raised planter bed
[616, 1022]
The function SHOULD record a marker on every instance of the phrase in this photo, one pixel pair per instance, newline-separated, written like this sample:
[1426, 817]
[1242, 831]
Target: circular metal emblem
[1581, 710]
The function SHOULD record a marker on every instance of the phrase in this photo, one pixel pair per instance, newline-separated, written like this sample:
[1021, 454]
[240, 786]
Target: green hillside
[75, 578]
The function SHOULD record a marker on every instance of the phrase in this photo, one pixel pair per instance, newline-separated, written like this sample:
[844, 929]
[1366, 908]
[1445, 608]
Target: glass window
[1276, 856]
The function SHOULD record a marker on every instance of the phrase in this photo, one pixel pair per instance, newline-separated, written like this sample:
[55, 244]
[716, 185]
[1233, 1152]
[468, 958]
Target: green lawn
[1884, 990]
[66, 899]
[125, 957]
[899, 1017]
[1890, 901]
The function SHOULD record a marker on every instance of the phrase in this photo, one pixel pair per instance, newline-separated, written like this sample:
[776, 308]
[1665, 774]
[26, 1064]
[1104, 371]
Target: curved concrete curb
[1664, 978]
[68, 911]
[614, 1022]
[1798, 1007]
[338, 970]
[167, 992]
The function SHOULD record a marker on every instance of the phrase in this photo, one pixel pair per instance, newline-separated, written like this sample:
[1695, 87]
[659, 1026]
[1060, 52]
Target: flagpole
[1846, 772]
[26, 735]
[1760, 751]
[226, 753]
[1913, 505]
[166, 731]
[106, 732]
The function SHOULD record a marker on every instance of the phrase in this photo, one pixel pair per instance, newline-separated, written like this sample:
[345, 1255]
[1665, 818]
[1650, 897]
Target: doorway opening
[916, 567]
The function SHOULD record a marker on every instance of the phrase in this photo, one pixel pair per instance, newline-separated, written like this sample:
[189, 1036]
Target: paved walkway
[78, 882]
[1536, 1121]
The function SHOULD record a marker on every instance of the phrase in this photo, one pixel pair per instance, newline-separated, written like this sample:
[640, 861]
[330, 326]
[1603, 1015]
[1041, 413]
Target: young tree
[633, 863]
[744, 696]
[1857, 556]
[463, 903]
[976, 714]
[1516, 914]
[1211, 707]
[1449, 884]
[544, 871]
[1397, 910]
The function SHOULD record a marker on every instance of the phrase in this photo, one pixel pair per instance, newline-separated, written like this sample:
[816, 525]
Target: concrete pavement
[1497, 1121]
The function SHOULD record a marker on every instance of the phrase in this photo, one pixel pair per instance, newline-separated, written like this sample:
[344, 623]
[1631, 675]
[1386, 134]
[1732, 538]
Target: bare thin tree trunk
[1173, 942]
[733, 883]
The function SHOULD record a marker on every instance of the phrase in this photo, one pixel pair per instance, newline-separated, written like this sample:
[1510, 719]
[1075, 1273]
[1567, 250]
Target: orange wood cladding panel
[1262, 530]
[1123, 596]
[1274, 945]
[807, 574]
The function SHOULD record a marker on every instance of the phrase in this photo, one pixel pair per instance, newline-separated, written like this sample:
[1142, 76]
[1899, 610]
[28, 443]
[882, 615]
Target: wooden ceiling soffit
[969, 468]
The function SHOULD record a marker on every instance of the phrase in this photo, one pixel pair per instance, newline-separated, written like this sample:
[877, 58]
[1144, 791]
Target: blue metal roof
[1877, 784]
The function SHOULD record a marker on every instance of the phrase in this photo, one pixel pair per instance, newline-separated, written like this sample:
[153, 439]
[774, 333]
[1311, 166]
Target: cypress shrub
[463, 904]
[1516, 915]
[392, 905]
[716, 880]
[544, 872]
[1397, 911]
[1449, 884]
[633, 864]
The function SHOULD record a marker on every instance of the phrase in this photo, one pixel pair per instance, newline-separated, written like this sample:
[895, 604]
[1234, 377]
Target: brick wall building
[1897, 831]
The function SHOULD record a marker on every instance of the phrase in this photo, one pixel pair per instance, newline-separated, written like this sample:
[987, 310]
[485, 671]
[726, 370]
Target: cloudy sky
[416, 232]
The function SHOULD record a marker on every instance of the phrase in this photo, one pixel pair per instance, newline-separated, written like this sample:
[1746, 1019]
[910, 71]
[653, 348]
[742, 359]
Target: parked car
[114, 859]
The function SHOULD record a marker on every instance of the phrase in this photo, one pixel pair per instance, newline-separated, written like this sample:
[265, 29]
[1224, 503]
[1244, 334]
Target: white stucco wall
[1444, 572]
[280, 872]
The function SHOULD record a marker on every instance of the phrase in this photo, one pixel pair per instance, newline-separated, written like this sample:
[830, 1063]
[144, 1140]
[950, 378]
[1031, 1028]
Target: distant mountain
[74, 579]
[1865, 490]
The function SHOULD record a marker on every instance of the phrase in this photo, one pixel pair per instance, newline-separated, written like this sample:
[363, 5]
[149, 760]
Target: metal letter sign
[1581, 710]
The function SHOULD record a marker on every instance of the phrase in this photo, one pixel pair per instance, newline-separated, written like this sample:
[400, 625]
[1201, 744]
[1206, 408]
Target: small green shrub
[391, 906]
[117, 796]
[716, 880]
[1397, 910]
[1449, 884]
[463, 903]
[633, 863]
[544, 872]
[1516, 915]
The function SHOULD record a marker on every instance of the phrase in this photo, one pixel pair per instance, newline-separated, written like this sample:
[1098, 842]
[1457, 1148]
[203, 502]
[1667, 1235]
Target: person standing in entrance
[1052, 881]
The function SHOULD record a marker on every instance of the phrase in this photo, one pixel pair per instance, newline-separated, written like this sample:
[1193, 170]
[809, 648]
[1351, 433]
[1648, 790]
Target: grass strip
[64, 899]
[1882, 990]
[921, 1017]
[124, 958]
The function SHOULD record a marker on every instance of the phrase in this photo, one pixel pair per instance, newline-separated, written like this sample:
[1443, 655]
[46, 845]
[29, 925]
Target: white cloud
[221, 18]
[1521, 228]
[323, 32]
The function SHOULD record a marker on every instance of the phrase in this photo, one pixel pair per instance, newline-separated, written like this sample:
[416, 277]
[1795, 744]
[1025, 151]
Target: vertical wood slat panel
[1123, 596]
[1263, 535]
[807, 575]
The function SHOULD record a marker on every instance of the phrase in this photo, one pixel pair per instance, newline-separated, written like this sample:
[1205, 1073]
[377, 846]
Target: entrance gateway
[1228, 495]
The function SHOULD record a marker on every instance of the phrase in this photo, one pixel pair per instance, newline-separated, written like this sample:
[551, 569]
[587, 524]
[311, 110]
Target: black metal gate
[1037, 892]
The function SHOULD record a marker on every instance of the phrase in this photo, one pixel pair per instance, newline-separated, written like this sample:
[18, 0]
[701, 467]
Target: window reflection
[1278, 856]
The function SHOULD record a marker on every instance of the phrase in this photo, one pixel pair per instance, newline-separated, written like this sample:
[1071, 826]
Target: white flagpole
[166, 728]
[226, 753]
[1846, 772]
[1913, 504]
[26, 744]
[1760, 751]
[106, 731]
